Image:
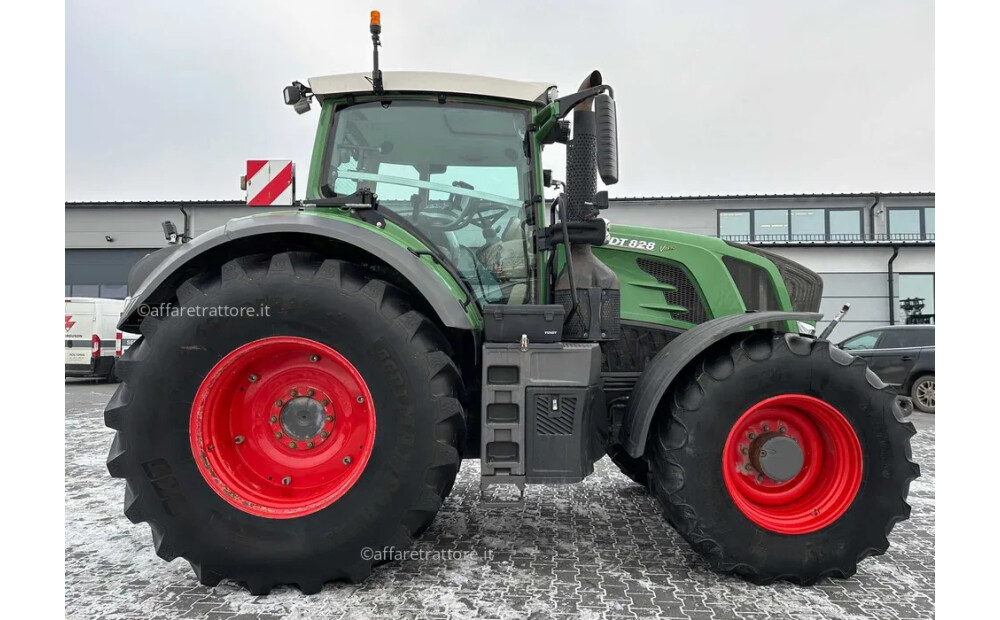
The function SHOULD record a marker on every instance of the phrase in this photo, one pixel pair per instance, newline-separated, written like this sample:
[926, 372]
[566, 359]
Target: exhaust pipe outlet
[581, 157]
[595, 315]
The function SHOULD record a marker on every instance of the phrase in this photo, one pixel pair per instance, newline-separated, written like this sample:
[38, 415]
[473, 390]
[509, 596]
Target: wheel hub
[302, 418]
[282, 427]
[792, 464]
[778, 457]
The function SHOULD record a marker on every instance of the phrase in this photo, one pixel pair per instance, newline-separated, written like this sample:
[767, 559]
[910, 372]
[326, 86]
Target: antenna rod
[376, 29]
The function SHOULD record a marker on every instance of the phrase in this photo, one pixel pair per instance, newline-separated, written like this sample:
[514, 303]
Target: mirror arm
[567, 103]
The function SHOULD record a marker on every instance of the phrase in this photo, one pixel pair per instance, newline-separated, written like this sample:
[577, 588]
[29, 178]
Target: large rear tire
[209, 447]
[841, 490]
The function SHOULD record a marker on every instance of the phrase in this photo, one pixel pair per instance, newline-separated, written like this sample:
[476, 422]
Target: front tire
[839, 492]
[200, 426]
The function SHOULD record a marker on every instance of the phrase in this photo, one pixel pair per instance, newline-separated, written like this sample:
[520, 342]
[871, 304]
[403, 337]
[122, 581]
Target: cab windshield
[457, 173]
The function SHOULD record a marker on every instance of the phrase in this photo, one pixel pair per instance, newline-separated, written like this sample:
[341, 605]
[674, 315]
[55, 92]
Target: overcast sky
[166, 100]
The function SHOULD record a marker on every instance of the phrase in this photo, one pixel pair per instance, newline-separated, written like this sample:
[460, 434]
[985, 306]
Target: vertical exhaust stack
[596, 315]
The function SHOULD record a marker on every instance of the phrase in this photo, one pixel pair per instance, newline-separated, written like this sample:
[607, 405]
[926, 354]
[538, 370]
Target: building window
[920, 285]
[770, 225]
[844, 224]
[86, 290]
[904, 223]
[113, 291]
[734, 225]
[808, 225]
[911, 224]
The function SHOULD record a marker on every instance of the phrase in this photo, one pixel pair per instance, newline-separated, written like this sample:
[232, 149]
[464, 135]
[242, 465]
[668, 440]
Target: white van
[93, 342]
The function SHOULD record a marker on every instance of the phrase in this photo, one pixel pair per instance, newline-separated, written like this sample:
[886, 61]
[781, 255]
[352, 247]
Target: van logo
[69, 322]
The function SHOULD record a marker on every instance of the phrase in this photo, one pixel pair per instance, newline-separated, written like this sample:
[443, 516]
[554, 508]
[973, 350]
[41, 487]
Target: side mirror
[607, 138]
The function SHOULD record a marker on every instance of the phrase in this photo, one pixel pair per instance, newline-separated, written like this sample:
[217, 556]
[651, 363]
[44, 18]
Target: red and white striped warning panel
[269, 182]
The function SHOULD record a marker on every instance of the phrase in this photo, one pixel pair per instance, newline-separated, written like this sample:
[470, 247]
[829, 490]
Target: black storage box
[540, 323]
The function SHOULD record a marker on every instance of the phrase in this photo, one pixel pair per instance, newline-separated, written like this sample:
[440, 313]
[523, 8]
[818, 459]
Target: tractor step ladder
[534, 416]
[502, 461]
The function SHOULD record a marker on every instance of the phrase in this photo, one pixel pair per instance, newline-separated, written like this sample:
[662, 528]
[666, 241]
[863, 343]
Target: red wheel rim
[282, 427]
[824, 487]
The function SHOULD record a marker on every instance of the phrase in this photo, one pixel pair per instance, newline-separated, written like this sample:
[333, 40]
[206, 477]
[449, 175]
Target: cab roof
[432, 82]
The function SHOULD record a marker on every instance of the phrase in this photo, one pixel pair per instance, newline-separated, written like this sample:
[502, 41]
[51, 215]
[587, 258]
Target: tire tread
[390, 303]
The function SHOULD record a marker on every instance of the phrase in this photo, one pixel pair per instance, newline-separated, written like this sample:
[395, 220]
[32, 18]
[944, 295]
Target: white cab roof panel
[432, 82]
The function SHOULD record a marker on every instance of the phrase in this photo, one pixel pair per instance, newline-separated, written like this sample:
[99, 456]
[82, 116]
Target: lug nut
[329, 418]
[286, 480]
[781, 429]
[253, 378]
[748, 467]
[361, 399]
[744, 450]
[239, 439]
[347, 460]
[310, 393]
[324, 434]
[310, 445]
[279, 403]
[751, 435]
[766, 428]
[291, 444]
[279, 434]
[295, 392]
[313, 358]
[760, 478]
[274, 419]
[325, 402]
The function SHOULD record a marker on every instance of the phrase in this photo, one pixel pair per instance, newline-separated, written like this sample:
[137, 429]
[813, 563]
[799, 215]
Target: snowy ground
[597, 549]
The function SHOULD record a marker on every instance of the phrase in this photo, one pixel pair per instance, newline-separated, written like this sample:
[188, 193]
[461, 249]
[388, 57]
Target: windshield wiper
[364, 198]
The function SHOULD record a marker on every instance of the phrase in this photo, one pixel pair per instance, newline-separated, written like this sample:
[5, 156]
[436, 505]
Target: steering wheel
[462, 211]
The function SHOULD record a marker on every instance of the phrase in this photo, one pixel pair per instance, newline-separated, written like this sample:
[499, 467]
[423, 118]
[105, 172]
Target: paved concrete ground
[597, 549]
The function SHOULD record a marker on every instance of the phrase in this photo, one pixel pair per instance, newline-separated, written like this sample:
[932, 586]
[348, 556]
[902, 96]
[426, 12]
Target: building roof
[116, 204]
[432, 82]
[771, 196]
[238, 202]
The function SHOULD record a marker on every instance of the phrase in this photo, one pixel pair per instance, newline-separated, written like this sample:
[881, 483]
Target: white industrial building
[869, 248]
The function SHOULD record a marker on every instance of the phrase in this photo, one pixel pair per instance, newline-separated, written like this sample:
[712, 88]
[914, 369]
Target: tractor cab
[455, 160]
[458, 174]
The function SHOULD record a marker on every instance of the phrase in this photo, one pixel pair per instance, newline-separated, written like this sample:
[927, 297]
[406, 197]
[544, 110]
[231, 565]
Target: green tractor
[308, 383]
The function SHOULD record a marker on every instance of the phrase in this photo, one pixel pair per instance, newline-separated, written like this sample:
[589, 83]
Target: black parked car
[902, 356]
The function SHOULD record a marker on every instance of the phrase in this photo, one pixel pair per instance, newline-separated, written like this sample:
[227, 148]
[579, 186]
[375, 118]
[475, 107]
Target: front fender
[154, 278]
[661, 371]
